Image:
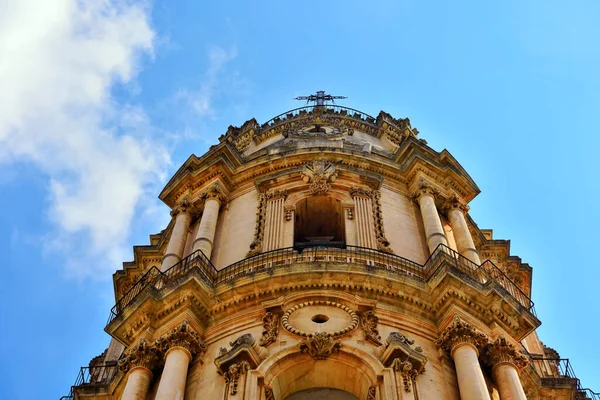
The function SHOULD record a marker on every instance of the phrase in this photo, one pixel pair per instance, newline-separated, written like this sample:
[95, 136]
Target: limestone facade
[323, 254]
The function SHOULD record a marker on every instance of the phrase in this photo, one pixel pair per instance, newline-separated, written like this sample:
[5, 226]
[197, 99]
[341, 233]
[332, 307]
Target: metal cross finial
[320, 98]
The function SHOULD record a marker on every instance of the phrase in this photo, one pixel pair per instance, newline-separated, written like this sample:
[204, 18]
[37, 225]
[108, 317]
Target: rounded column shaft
[174, 375]
[432, 223]
[508, 382]
[462, 235]
[138, 383]
[208, 225]
[177, 241]
[471, 382]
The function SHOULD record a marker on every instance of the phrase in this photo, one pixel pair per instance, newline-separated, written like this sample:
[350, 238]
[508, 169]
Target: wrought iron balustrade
[319, 257]
[561, 368]
[327, 109]
[96, 376]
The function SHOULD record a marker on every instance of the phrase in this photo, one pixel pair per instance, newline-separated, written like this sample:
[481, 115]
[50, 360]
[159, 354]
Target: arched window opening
[319, 222]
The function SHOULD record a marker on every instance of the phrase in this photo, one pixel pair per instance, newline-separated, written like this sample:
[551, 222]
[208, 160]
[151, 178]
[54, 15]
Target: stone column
[180, 346]
[138, 364]
[208, 224]
[462, 341]
[434, 232]
[174, 252]
[506, 362]
[464, 241]
[363, 207]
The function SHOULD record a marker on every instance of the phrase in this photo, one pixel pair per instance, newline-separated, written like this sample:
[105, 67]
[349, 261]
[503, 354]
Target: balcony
[558, 372]
[93, 380]
[319, 258]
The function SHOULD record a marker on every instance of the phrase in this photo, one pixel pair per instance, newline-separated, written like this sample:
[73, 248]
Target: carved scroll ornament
[368, 322]
[182, 336]
[461, 332]
[143, 355]
[270, 329]
[319, 173]
[319, 346]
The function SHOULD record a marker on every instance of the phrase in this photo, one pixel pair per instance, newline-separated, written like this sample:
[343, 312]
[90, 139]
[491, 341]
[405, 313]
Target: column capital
[459, 333]
[455, 203]
[276, 194]
[184, 206]
[143, 356]
[424, 188]
[181, 336]
[361, 192]
[215, 193]
[503, 352]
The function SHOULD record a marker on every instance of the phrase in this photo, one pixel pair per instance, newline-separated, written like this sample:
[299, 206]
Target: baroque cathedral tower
[324, 254]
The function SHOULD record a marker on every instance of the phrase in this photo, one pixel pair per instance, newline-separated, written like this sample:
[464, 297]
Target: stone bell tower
[324, 254]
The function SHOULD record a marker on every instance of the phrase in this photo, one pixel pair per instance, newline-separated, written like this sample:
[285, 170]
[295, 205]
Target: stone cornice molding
[459, 333]
[502, 352]
[455, 203]
[182, 336]
[141, 356]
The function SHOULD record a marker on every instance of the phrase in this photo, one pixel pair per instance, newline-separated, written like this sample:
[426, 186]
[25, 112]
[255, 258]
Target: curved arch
[289, 371]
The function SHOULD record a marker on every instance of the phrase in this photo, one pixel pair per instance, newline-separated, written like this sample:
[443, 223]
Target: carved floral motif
[407, 372]
[455, 203]
[182, 336]
[319, 173]
[372, 393]
[143, 355]
[502, 351]
[319, 346]
[369, 323]
[460, 332]
[233, 375]
[270, 329]
[424, 188]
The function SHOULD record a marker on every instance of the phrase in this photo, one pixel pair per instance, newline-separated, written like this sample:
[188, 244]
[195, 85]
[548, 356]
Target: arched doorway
[319, 221]
[322, 394]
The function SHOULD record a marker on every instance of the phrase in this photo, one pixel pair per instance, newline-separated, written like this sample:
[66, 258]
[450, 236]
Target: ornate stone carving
[269, 393]
[368, 322]
[460, 332]
[243, 349]
[375, 196]
[143, 355]
[454, 202]
[502, 351]
[215, 192]
[424, 188]
[182, 336]
[261, 215]
[289, 212]
[350, 212]
[354, 319]
[359, 191]
[399, 355]
[270, 329]
[372, 393]
[319, 173]
[184, 206]
[233, 374]
[319, 346]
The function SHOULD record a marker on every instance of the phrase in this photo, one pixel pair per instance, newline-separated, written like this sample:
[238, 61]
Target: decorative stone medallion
[324, 317]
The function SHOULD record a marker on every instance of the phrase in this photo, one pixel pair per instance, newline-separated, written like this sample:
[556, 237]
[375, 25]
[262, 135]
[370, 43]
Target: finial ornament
[459, 333]
[503, 352]
[319, 98]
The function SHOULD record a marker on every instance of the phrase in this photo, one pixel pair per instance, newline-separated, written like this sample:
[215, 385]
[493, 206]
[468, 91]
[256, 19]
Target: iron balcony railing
[560, 368]
[286, 258]
[93, 376]
[330, 109]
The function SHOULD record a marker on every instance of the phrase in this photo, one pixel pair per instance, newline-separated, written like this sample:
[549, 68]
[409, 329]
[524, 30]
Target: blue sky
[101, 101]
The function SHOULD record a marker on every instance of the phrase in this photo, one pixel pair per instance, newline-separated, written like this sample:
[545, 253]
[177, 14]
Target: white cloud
[201, 101]
[59, 60]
